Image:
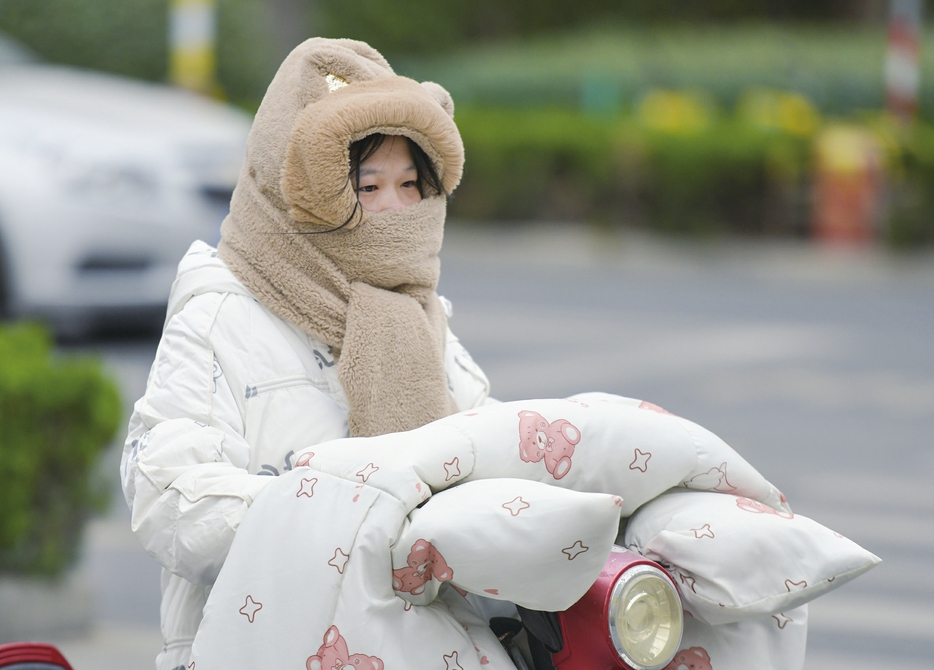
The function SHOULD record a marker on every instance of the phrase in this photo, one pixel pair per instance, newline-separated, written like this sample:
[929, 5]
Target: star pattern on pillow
[365, 473]
[575, 550]
[516, 505]
[688, 581]
[250, 608]
[339, 560]
[307, 487]
[641, 460]
[451, 662]
[781, 620]
[795, 586]
[452, 469]
[703, 531]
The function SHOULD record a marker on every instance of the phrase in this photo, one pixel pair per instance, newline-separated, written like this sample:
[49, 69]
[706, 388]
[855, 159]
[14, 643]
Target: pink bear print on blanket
[424, 563]
[645, 404]
[333, 655]
[695, 658]
[758, 508]
[553, 442]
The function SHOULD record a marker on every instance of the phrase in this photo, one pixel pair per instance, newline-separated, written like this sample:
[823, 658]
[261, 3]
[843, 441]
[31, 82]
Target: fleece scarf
[297, 238]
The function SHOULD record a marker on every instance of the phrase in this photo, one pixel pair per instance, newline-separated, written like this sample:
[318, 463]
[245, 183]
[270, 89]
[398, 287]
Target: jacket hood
[201, 271]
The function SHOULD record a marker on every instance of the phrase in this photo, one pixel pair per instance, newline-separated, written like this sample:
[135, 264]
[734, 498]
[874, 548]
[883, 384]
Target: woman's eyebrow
[366, 171]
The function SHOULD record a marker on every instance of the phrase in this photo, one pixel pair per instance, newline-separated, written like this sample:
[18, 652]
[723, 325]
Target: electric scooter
[630, 619]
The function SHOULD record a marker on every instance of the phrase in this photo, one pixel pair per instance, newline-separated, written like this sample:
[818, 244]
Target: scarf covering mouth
[362, 282]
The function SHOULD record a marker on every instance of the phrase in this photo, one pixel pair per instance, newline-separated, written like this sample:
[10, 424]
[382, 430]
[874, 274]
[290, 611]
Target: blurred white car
[104, 183]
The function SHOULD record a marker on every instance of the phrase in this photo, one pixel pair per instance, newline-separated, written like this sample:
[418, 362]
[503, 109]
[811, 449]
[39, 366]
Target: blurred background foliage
[676, 171]
[56, 418]
[422, 26]
[694, 116]
[500, 50]
[838, 67]
[130, 37]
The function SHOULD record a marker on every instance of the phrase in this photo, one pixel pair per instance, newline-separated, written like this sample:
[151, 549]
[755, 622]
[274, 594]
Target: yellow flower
[674, 111]
[786, 111]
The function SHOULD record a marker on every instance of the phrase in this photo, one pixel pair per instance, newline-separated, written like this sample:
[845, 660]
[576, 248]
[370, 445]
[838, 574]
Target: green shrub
[558, 164]
[838, 67]
[56, 416]
[730, 177]
[911, 217]
[551, 163]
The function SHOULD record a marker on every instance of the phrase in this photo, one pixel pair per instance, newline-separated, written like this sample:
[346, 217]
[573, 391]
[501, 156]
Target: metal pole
[902, 68]
[192, 45]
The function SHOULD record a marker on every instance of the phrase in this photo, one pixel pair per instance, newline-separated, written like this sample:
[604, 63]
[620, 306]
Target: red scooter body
[585, 626]
[32, 656]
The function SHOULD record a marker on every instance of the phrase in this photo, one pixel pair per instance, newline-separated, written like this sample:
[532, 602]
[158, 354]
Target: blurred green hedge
[838, 67]
[494, 52]
[911, 217]
[129, 37]
[431, 26]
[56, 417]
[558, 164]
[748, 173]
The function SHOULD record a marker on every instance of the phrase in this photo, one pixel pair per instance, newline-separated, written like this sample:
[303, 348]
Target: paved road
[817, 366]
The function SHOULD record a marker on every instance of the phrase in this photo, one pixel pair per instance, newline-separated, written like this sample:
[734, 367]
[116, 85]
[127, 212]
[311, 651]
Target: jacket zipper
[253, 390]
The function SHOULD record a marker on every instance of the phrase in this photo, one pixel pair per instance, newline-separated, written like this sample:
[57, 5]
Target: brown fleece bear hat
[362, 282]
[326, 95]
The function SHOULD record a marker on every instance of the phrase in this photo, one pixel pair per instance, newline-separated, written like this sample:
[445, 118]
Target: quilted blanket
[363, 553]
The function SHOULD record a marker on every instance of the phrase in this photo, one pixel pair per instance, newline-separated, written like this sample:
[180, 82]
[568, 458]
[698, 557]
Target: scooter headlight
[645, 618]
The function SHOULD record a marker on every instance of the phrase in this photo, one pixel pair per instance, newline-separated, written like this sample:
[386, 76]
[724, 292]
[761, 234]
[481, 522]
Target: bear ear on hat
[439, 93]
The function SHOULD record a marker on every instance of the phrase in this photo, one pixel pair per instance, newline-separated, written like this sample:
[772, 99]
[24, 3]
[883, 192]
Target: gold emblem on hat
[335, 82]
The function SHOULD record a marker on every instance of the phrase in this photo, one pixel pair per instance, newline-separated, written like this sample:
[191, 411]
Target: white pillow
[764, 642]
[733, 558]
[718, 467]
[535, 545]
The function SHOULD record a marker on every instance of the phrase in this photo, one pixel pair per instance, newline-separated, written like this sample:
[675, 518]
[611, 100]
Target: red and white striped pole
[902, 69]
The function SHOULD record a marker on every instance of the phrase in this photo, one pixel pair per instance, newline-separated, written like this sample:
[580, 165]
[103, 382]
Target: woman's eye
[412, 183]
[367, 189]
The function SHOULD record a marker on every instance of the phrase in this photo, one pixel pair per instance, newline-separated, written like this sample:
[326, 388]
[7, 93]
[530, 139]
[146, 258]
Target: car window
[14, 53]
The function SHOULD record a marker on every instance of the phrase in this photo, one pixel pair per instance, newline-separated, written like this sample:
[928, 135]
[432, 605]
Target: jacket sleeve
[184, 466]
[466, 380]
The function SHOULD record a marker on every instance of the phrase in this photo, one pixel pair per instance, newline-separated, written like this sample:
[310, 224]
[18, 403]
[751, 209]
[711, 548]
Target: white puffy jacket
[233, 393]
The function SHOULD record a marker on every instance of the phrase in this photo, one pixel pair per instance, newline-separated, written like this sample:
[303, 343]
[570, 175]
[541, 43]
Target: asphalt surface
[815, 364]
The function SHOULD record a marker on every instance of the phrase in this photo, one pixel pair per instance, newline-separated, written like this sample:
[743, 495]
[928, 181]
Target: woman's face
[388, 178]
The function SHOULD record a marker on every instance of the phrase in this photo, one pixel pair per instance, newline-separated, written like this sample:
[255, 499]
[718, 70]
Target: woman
[316, 318]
